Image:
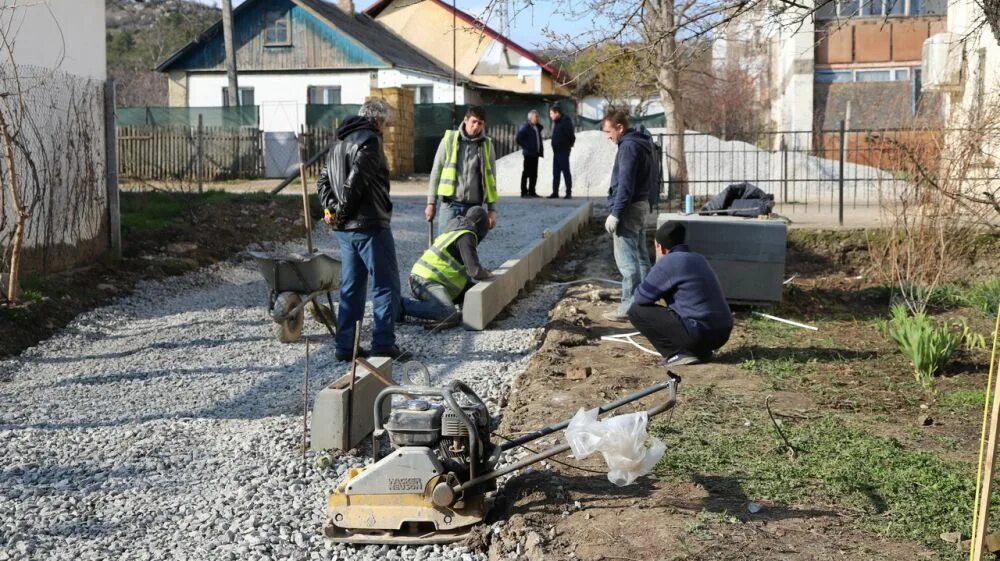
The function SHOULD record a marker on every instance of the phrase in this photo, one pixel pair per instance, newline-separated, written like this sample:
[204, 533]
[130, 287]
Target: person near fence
[563, 139]
[449, 268]
[354, 191]
[529, 138]
[464, 171]
[696, 320]
[633, 184]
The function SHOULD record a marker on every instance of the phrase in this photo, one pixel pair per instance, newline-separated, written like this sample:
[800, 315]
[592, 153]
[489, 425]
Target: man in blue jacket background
[697, 319]
[529, 138]
[633, 185]
[563, 139]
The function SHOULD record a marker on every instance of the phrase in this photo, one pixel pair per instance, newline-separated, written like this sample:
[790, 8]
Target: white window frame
[841, 9]
[311, 90]
[894, 71]
[243, 93]
[272, 18]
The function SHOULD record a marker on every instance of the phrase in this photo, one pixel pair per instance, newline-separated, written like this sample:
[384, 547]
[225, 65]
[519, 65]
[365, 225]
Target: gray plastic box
[748, 254]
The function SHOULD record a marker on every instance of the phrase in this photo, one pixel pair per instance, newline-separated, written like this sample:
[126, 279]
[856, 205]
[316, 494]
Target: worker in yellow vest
[464, 171]
[447, 269]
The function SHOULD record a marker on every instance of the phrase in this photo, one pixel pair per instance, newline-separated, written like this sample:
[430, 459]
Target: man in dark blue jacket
[563, 139]
[529, 138]
[697, 319]
[633, 184]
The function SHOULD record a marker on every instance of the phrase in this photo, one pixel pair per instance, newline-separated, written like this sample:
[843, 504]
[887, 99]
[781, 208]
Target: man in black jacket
[529, 138]
[563, 139]
[354, 189]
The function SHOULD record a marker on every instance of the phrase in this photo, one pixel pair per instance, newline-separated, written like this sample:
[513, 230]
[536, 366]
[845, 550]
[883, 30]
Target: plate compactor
[432, 488]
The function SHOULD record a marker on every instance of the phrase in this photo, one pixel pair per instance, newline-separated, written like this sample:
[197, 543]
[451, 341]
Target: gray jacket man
[464, 172]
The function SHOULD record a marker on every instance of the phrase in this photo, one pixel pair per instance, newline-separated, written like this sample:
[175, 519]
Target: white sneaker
[680, 359]
[615, 317]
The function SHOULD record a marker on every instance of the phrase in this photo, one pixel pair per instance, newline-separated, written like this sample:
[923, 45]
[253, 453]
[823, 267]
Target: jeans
[432, 301]
[631, 254]
[666, 331]
[560, 164]
[365, 253]
[529, 175]
[447, 211]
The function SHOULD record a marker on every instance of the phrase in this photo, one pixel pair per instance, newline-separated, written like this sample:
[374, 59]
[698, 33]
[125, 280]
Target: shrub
[927, 345]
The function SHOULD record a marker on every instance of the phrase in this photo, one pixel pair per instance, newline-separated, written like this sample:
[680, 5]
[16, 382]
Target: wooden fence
[172, 153]
[184, 154]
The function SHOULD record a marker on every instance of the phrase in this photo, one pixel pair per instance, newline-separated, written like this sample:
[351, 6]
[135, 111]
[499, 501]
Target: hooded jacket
[356, 178]
[471, 190]
[465, 247]
[636, 170]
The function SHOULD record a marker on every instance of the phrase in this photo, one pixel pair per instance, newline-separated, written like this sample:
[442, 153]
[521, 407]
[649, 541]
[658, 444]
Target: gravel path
[167, 426]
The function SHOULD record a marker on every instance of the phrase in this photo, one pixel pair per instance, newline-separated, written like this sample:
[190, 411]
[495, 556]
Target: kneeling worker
[442, 275]
[697, 319]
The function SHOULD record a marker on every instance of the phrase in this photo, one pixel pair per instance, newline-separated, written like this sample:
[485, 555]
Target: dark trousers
[529, 175]
[666, 331]
[560, 165]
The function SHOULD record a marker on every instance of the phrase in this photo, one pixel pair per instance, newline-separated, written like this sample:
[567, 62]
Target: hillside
[142, 34]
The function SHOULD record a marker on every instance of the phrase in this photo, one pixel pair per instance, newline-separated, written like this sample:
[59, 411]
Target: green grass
[780, 373]
[731, 448]
[983, 296]
[963, 400]
[154, 211]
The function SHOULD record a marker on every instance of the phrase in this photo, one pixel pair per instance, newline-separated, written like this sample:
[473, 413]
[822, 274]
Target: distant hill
[141, 34]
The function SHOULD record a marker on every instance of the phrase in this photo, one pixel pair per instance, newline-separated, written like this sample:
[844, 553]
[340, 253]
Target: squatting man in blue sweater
[697, 319]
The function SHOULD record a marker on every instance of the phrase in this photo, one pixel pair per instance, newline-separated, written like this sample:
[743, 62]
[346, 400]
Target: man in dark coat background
[529, 138]
[563, 139]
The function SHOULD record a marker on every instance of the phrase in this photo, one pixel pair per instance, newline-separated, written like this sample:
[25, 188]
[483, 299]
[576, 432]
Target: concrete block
[748, 255]
[487, 299]
[329, 414]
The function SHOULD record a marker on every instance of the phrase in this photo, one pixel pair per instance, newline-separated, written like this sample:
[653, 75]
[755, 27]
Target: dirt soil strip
[553, 511]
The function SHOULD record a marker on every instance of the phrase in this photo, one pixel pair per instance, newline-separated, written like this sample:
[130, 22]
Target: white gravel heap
[168, 425]
[712, 165]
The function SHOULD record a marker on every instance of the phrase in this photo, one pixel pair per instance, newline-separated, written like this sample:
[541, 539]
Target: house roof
[375, 9]
[374, 36]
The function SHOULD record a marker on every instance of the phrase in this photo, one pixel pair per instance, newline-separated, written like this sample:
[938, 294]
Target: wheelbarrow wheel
[290, 329]
[323, 314]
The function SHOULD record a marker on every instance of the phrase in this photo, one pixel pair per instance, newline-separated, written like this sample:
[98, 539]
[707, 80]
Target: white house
[55, 51]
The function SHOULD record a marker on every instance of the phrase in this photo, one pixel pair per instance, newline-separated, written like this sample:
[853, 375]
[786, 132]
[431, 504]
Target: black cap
[671, 234]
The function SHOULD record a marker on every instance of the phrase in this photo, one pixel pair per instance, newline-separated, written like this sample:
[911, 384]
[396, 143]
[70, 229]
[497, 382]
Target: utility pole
[227, 38]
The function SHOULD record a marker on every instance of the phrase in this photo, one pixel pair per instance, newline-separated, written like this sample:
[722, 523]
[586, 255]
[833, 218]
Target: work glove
[611, 224]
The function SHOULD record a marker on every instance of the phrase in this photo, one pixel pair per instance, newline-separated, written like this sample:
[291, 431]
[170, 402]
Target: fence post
[201, 154]
[840, 176]
[784, 170]
[111, 169]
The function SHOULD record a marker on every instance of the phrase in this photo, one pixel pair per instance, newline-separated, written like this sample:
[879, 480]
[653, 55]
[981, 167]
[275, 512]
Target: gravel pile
[168, 425]
[712, 165]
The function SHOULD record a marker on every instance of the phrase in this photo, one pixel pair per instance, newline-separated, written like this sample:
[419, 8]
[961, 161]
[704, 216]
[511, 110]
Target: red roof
[375, 9]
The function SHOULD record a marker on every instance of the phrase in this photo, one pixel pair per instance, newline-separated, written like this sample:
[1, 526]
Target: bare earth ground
[723, 451]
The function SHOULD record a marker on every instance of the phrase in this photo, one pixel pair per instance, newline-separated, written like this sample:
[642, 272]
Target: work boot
[349, 355]
[534, 195]
[554, 195]
[393, 352]
[615, 317]
[680, 359]
[568, 195]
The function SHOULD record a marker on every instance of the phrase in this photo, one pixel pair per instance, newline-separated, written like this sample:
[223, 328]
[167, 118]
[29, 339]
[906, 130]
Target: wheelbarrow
[297, 281]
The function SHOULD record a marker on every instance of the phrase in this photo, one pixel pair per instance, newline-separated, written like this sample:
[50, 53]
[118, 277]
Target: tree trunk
[662, 25]
[227, 38]
[21, 214]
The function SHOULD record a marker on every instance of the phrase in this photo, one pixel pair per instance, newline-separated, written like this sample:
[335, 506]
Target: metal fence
[826, 171]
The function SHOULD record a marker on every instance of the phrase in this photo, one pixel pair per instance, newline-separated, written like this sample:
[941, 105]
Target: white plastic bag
[627, 449]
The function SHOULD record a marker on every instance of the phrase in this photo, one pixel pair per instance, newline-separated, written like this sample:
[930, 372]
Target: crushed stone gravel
[168, 425]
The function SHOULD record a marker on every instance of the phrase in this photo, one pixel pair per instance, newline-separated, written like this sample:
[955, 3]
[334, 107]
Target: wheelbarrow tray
[294, 272]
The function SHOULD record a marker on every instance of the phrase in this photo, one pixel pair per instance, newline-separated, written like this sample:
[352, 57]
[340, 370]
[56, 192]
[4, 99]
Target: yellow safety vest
[449, 169]
[437, 265]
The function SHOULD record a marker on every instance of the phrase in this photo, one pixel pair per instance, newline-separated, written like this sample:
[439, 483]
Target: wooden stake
[986, 481]
[305, 196]
[305, 407]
